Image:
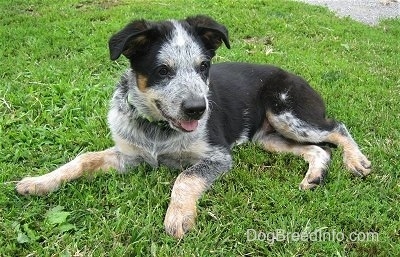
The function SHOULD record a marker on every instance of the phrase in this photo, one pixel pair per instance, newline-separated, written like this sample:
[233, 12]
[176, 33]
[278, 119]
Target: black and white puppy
[172, 107]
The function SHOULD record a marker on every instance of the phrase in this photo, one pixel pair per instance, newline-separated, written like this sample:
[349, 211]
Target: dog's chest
[175, 153]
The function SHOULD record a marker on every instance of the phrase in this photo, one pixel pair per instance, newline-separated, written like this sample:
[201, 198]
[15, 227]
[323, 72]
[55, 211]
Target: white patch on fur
[283, 96]
[181, 49]
[180, 38]
[243, 138]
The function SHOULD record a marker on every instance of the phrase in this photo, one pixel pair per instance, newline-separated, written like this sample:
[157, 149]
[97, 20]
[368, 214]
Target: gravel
[366, 11]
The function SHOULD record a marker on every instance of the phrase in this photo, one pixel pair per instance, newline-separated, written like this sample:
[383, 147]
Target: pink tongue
[189, 125]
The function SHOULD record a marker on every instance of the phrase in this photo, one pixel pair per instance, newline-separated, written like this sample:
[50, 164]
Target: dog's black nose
[194, 108]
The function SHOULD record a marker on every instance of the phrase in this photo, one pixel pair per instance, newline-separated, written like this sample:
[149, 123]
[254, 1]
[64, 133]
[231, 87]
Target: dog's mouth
[182, 125]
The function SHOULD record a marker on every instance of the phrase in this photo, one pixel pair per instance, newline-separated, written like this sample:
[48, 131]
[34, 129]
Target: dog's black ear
[131, 39]
[211, 32]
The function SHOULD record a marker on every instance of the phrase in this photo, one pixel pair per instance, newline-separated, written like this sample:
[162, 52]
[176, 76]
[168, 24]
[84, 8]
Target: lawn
[56, 82]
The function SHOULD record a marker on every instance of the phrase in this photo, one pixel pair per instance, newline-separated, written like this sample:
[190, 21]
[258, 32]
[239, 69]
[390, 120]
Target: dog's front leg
[188, 188]
[87, 163]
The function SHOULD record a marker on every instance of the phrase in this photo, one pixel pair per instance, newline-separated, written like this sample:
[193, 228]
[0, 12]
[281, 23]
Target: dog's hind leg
[317, 157]
[353, 158]
[87, 163]
[322, 130]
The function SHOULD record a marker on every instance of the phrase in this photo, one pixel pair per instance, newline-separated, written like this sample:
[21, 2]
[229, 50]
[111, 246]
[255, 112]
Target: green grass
[56, 82]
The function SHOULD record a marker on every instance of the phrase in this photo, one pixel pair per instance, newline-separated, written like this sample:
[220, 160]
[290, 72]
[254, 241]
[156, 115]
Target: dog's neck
[143, 117]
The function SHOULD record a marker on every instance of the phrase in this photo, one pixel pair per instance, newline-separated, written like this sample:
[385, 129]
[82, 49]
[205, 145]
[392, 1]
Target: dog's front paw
[36, 186]
[179, 219]
[357, 163]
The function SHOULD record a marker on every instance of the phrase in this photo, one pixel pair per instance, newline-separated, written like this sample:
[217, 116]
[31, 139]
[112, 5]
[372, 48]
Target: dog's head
[171, 61]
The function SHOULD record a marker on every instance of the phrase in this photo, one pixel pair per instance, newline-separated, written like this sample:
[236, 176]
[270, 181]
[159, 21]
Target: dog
[173, 107]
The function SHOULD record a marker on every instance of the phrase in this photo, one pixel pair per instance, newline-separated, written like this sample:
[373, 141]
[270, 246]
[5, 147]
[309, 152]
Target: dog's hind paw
[306, 185]
[179, 220]
[311, 181]
[357, 163]
[36, 186]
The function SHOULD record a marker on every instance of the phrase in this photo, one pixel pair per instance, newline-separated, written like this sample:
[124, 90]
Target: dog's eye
[163, 71]
[204, 66]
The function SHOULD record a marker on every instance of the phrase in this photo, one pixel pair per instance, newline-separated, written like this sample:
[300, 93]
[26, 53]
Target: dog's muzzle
[191, 111]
